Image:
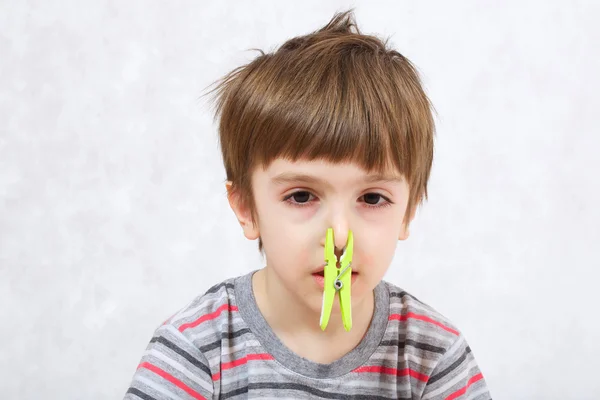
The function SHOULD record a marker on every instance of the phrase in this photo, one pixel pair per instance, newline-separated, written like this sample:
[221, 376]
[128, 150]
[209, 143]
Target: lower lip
[320, 279]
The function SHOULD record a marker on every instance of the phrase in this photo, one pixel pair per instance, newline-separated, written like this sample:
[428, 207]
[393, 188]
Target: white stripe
[464, 375]
[181, 369]
[253, 343]
[159, 388]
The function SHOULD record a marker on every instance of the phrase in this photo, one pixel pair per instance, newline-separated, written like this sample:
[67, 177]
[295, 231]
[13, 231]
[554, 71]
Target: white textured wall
[112, 206]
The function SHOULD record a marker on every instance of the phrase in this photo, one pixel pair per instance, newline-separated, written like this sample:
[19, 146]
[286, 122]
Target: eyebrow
[288, 177]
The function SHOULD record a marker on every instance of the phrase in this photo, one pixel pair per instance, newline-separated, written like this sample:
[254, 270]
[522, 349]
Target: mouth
[321, 272]
[319, 277]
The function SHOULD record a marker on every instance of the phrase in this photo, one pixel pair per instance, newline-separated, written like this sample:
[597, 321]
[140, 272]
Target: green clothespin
[337, 281]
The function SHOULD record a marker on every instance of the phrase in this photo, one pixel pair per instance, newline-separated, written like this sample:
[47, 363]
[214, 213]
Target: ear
[242, 212]
[405, 230]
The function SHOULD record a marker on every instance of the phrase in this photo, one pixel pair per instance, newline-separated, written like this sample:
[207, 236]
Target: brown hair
[333, 94]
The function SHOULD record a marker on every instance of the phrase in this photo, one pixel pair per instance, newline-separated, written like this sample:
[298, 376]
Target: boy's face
[296, 202]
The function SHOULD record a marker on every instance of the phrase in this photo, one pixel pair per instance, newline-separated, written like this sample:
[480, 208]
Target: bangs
[329, 111]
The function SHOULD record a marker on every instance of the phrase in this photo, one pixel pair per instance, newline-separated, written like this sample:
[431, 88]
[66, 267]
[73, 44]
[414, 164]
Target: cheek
[288, 246]
[376, 250]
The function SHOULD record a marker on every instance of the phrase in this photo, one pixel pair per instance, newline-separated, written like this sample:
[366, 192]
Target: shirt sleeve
[457, 376]
[172, 367]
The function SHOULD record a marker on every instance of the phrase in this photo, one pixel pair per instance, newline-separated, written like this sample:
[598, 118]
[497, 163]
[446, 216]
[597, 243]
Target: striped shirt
[220, 347]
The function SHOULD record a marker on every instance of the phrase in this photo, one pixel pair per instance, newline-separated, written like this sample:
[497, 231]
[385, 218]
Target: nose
[340, 233]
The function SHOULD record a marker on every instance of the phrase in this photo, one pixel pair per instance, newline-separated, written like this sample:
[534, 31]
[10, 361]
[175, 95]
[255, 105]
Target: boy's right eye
[300, 198]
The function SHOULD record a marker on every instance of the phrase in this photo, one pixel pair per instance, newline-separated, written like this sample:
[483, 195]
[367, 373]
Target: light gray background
[112, 205]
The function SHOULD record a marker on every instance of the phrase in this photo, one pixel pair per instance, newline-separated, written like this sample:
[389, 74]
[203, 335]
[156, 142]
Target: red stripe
[241, 361]
[462, 391]
[234, 363]
[208, 317]
[422, 318]
[393, 371]
[172, 379]
[261, 356]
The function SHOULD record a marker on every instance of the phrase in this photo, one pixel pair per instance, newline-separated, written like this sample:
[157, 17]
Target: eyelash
[300, 205]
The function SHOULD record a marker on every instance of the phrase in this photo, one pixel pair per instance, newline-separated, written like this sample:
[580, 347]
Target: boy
[333, 130]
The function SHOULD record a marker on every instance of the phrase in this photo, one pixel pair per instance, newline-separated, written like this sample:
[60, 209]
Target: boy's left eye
[372, 198]
[302, 198]
[299, 197]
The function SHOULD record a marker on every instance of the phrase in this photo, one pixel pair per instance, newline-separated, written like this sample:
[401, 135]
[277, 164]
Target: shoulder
[435, 347]
[416, 320]
[176, 357]
[208, 314]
